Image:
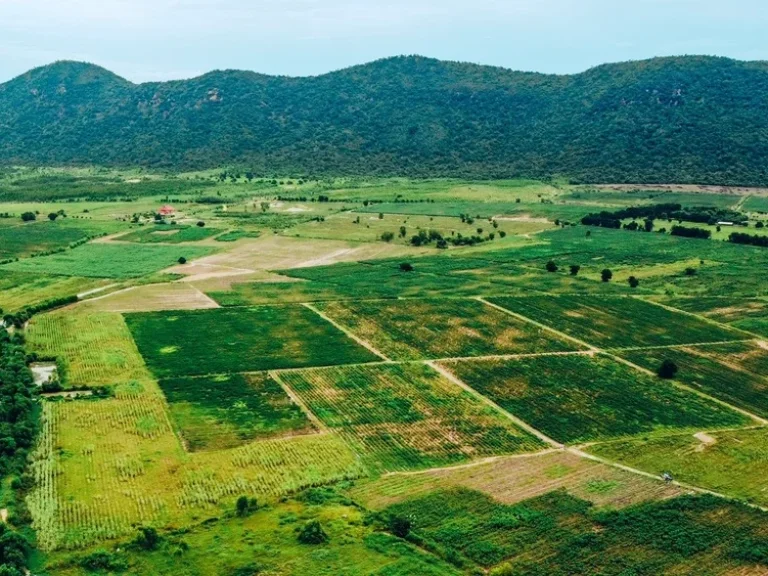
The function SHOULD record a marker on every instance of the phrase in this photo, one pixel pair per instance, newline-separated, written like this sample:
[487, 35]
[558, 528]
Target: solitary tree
[242, 505]
[633, 282]
[52, 216]
[575, 269]
[201, 224]
[403, 231]
[668, 369]
[606, 275]
[28, 216]
[589, 233]
[551, 266]
[690, 271]
[387, 236]
[406, 267]
[649, 225]
[182, 260]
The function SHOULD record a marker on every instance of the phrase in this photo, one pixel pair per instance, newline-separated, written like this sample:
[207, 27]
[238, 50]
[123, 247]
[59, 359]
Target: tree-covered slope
[687, 119]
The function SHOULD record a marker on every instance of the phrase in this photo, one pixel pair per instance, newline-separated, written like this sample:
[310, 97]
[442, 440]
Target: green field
[20, 240]
[734, 373]
[559, 535]
[225, 411]
[95, 349]
[22, 289]
[734, 462]
[227, 341]
[109, 260]
[617, 322]
[403, 417]
[170, 234]
[418, 329]
[577, 399]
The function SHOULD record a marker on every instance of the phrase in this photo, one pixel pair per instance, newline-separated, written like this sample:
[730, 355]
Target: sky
[151, 40]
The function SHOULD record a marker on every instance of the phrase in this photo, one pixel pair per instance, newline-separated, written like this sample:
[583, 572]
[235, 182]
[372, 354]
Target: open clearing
[226, 341]
[430, 329]
[598, 399]
[402, 417]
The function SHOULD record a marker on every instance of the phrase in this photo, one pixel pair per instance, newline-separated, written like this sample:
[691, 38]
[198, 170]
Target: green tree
[28, 216]
[242, 505]
[575, 269]
[633, 282]
[387, 236]
[312, 533]
[668, 369]
[606, 275]
[551, 266]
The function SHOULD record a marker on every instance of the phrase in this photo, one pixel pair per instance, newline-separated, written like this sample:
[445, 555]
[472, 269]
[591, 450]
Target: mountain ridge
[697, 119]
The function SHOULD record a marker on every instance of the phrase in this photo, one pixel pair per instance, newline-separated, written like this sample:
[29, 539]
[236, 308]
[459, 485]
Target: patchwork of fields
[517, 419]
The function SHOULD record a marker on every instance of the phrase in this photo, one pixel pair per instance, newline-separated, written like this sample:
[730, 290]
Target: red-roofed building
[166, 211]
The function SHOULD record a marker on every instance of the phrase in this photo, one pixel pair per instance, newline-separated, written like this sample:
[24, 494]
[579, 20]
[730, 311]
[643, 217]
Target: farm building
[725, 224]
[166, 211]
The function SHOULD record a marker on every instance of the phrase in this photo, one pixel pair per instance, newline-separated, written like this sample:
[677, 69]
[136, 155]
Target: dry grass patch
[175, 296]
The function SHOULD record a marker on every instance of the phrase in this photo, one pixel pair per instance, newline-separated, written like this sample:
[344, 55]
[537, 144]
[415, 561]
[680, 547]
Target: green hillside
[687, 119]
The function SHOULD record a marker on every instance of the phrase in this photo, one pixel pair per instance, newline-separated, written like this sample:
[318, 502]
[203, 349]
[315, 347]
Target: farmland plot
[21, 289]
[153, 297]
[226, 341]
[615, 322]
[580, 399]
[129, 470]
[96, 349]
[169, 234]
[109, 260]
[418, 329]
[229, 410]
[722, 371]
[512, 480]
[733, 462]
[406, 416]
[559, 535]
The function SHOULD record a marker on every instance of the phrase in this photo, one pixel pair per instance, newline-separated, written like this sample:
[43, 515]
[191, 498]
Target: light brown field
[517, 478]
[175, 296]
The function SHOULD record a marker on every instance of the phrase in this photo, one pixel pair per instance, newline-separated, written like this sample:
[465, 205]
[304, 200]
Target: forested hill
[687, 119]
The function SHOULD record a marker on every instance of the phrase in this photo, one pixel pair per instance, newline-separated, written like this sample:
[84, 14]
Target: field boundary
[347, 331]
[322, 428]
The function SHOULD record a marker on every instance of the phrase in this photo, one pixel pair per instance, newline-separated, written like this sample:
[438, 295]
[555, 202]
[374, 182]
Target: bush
[400, 526]
[147, 539]
[387, 236]
[406, 267]
[633, 282]
[201, 224]
[103, 560]
[312, 533]
[243, 506]
[606, 275]
[690, 271]
[668, 369]
[182, 260]
[575, 269]
[28, 216]
[551, 266]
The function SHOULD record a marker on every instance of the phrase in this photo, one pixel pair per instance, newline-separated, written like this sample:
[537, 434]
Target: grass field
[609, 322]
[95, 348]
[109, 260]
[598, 399]
[416, 329]
[402, 417]
[21, 289]
[21, 240]
[226, 341]
[265, 543]
[734, 463]
[722, 371]
[170, 234]
[152, 297]
[130, 470]
[230, 410]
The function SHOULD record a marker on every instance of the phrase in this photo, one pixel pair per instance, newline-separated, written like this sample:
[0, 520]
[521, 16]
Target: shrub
[690, 271]
[147, 539]
[400, 526]
[182, 260]
[28, 216]
[575, 269]
[242, 506]
[668, 369]
[406, 267]
[312, 533]
[633, 282]
[201, 224]
[551, 266]
[103, 560]
[387, 236]
[606, 275]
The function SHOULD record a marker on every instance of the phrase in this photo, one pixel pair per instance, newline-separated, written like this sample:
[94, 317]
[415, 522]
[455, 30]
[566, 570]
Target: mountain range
[691, 119]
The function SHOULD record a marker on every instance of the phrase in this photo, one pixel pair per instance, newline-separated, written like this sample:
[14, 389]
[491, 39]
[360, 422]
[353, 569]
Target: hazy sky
[163, 39]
